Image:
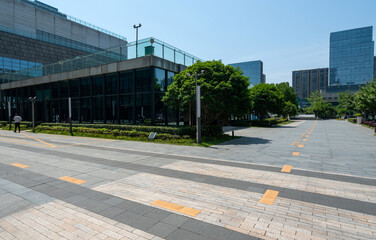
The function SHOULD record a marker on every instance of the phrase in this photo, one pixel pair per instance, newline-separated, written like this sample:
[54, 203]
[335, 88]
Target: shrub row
[352, 120]
[23, 124]
[269, 122]
[207, 131]
[110, 132]
[369, 123]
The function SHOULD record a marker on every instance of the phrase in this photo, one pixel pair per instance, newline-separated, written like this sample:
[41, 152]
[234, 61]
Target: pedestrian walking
[17, 122]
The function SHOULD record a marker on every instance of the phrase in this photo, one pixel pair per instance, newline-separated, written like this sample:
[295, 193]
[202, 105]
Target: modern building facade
[252, 69]
[52, 56]
[33, 33]
[351, 57]
[305, 82]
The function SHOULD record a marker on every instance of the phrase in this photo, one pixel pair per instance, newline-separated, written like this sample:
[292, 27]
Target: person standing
[17, 122]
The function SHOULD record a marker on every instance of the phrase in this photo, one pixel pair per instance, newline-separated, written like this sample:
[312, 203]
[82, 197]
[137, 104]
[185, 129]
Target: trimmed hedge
[352, 120]
[369, 123]
[207, 131]
[269, 122]
[105, 131]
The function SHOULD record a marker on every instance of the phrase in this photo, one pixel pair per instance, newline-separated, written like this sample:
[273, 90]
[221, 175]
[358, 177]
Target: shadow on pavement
[246, 141]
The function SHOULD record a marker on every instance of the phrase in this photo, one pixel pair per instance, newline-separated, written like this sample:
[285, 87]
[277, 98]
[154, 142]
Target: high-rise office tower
[253, 70]
[351, 57]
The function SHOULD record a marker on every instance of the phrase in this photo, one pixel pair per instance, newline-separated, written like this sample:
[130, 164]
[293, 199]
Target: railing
[148, 46]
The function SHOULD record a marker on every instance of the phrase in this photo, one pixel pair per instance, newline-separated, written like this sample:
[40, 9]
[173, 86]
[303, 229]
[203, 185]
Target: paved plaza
[305, 180]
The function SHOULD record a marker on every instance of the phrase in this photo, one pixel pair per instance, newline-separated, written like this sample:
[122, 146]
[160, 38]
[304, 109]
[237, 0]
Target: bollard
[232, 133]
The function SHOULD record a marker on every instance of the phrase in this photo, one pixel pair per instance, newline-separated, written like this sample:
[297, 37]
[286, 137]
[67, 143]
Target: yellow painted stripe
[286, 168]
[295, 153]
[48, 144]
[171, 206]
[73, 180]
[304, 140]
[306, 135]
[20, 165]
[300, 146]
[295, 143]
[269, 197]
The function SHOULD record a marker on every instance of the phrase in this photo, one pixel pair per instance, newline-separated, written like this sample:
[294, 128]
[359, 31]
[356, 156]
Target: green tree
[347, 102]
[366, 98]
[290, 98]
[224, 91]
[319, 107]
[288, 93]
[266, 98]
[289, 109]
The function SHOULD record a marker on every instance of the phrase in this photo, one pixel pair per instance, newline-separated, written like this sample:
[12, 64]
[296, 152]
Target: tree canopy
[224, 91]
[266, 98]
[346, 102]
[319, 107]
[366, 98]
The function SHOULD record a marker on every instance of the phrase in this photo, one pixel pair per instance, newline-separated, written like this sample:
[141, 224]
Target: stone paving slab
[329, 194]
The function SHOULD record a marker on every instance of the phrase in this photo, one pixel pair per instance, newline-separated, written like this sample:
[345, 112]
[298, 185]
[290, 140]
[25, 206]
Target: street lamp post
[32, 99]
[198, 106]
[136, 27]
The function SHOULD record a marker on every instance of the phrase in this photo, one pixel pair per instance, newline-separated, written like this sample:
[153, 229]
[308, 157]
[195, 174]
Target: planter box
[359, 120]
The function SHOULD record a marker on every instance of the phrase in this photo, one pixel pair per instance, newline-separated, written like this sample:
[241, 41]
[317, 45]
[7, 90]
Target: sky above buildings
[286, 35]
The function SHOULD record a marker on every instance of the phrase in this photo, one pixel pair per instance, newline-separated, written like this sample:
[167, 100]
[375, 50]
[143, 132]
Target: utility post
[32, 99]
[136, 27]
[10, 116]
[70, 115]
[198, 106]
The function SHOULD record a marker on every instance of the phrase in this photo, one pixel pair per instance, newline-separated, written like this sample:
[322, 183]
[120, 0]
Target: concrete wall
[25, 18]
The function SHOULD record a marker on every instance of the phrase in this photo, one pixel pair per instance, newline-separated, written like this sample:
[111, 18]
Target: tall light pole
[32, 99]
[136, 27]
[198, 106]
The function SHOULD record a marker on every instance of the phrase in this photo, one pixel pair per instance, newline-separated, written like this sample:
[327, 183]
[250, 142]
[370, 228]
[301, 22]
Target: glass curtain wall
[127, 97]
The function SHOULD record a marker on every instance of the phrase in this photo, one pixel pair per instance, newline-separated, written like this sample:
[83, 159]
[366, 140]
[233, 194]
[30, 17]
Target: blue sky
[286, 35]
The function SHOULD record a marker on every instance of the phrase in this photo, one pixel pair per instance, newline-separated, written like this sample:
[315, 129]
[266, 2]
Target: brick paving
[330, 192]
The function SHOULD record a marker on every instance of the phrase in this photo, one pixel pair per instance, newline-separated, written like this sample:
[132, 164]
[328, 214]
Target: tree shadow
[246, 141]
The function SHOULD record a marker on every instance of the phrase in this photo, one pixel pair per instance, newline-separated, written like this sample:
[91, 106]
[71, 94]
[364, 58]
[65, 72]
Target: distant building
[374, 68]
[305, 82]
[253, 70]
[351, 57]
[331, 94]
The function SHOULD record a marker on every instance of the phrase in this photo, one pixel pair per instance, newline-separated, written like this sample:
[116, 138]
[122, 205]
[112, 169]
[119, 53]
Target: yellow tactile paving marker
[20, 165]
[36, 139]
[286, 168]
[171, 206]
[72, 180]
[269, 197]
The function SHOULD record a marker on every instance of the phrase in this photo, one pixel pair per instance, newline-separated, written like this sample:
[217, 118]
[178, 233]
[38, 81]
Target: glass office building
[253, 70]
[351, 57]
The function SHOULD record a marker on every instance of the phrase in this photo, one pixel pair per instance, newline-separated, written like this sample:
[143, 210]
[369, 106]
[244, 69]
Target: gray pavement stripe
[152, 220]
[298, 172]
[293, 194]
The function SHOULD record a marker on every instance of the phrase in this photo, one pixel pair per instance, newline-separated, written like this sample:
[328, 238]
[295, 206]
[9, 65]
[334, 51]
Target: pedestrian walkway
[306, 180]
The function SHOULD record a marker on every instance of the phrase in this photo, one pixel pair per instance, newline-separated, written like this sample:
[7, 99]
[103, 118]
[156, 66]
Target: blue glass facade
[253, 70]
[9, 65]
[351, 57]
